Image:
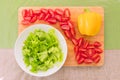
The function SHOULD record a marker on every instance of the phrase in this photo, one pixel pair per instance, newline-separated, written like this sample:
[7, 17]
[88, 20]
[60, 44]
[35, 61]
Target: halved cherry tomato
[74, 41]
[41, 16]
[59, 12]
[67, 13]
[86, 43]
[52, 20]
[24, 22]
[97, 44]
[65, 27]
[88, 61]
[25, 13]
[68, 34]
[45, 11]
[97, 59]
[33, 19]
[58, 17]
[81, 60]
[51, 12]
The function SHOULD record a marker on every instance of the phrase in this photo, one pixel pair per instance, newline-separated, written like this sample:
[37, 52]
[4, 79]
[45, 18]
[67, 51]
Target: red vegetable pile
[85, 52]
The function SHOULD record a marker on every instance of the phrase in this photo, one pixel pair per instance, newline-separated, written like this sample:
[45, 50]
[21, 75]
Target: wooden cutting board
[75, 11]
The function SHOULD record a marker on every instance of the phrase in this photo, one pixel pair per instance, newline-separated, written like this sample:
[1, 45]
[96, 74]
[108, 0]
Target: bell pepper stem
[86, 10]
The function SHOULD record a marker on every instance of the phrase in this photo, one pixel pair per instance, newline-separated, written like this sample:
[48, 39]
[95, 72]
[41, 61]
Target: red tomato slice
[81, 60]
[58, 17]
[46, 17]
[45, 11]
[65, 27]
[59, 12]
[82, 49]
[72, 30]
[68, 34]
[70, 24]
[98, 50]
[37, 12]
[31, 13]
[80, 42]
[24, 22]
[76, 49]
[64, 19]
[97, 59]
[41, 16]
[86, 43]
[84, 55]
[74, 41]
[51, 12]
[97, 44]
[25, 13]
[67, 13]
[63, 23]
[27, 18]
[33, 19]
[88, 61]
[52, 20]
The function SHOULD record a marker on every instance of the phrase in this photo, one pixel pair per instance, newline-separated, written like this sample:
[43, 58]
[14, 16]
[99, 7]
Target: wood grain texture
[9, 70]
[75, 11]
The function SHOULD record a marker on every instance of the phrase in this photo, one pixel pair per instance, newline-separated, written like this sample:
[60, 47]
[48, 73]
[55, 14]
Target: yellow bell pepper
[89, 23]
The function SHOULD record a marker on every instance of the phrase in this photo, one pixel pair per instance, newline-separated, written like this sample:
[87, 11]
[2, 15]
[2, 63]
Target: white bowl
[19, 44]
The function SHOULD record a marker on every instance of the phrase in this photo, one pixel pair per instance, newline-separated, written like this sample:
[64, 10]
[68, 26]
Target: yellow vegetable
[89, 23]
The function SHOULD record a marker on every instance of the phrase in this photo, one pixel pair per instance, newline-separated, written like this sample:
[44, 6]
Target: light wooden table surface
[9, 70]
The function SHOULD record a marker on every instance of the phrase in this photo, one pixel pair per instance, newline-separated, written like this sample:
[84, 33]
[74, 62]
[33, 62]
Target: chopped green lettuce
[41, 50]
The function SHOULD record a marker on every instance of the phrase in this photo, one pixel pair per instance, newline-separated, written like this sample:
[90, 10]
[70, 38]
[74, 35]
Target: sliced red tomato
[84, 55]
[63, 23]
[70, 24]
[25, 13]
[98, 50]
[37, 12]
[68, 34]
[90, 46]
[41, 16]
[97, 59]
[74, 41]
[97, 44]
[52, 20]
[86, 43]
[24, 22]
[76, 49]
[72, 30]
[31, 13]
[80, 41]
[82, 49]
[45, 11]
[51, 12]
[33, 19]
[47, 17]
[81, 60]
[59, 12]
[88, 61]
[64, 19]
[67, 13]
[65, 27]
[58, 17]
[27, 18]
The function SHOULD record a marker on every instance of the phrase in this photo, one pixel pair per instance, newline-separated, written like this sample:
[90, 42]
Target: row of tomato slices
[85, 52]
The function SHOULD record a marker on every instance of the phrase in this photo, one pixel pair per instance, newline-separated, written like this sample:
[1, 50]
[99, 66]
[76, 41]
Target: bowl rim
[35, 26]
